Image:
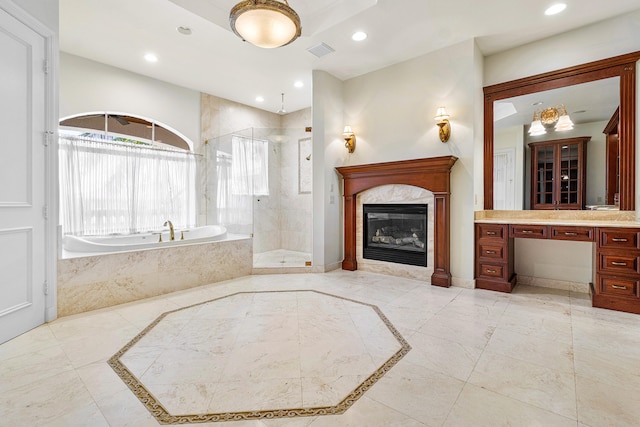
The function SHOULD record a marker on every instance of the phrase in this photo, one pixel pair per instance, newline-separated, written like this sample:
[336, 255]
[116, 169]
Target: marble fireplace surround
[432, 174]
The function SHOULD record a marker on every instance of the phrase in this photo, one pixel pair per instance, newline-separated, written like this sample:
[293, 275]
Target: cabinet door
[558, 175]
[542, 190]
[569, 173]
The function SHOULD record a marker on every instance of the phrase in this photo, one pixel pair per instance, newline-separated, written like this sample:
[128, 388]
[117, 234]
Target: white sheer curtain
[108, 187]
[241, 174]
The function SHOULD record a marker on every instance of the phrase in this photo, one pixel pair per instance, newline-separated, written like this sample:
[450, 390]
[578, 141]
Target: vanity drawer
[491, 231]
[618, 238]
[529, 231]
[618, 287]
[491, 252]
[582, 234]
[494, 271]
[614, 263]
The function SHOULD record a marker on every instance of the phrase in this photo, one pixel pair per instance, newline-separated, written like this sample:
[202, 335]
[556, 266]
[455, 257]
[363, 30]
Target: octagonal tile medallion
[255, 355]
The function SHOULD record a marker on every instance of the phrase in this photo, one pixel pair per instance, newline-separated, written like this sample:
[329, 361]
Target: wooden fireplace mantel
[432, 174]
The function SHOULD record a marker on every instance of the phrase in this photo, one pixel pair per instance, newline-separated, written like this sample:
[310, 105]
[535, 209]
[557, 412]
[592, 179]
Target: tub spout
[172, 235]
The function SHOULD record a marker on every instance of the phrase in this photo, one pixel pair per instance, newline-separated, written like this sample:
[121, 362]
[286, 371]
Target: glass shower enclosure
[258, 183]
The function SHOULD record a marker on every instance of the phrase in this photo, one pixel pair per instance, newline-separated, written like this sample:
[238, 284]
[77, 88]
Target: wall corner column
[441, 275]
[350, 263]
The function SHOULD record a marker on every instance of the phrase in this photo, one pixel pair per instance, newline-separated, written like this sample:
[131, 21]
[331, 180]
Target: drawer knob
[624, 288]
[622, 264]
[490, 252]
[490, 270]
[569, 233]
[619, 239]
[491, 233]
[526, 231]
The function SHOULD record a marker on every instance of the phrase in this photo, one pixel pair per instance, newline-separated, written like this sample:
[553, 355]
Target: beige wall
[89, 86]
[328, 152]
[590, 43]
[391, 111]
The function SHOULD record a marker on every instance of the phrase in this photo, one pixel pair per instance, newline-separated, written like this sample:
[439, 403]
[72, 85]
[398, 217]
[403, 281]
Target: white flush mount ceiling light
[265, 23]
[298, 84]
[555, 9]
[259, 98]
[150, 57]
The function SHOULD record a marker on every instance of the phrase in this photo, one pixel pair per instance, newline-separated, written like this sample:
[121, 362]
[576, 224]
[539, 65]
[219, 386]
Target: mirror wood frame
[623, 66]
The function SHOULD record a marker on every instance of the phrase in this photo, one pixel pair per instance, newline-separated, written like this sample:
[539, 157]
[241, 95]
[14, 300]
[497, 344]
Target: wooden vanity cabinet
[616, 283]
[494, 257]
[616, 263]
[558, 173]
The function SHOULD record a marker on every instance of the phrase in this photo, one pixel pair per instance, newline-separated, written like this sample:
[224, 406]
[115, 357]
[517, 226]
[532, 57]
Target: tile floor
[535, 357]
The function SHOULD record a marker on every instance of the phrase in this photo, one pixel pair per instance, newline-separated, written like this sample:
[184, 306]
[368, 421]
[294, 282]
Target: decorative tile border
[161, 414]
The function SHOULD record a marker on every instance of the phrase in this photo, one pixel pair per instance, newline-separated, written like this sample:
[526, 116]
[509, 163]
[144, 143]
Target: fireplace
[395, 233]
[431, 174]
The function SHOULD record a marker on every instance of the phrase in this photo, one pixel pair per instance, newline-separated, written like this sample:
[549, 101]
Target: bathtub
[134, 242]
[107, 271]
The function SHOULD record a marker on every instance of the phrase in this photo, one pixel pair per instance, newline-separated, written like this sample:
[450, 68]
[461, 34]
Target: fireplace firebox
[395, 233]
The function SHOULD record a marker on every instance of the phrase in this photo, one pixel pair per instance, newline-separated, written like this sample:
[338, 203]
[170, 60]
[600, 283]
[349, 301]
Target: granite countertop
[570, 218]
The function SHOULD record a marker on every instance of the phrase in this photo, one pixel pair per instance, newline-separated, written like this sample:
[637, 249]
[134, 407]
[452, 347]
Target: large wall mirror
[599, 99]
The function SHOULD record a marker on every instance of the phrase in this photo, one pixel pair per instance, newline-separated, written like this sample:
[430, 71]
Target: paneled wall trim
[432, 174]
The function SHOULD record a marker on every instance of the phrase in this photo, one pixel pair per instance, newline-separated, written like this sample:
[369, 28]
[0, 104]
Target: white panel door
[504, 190]
[22, 178]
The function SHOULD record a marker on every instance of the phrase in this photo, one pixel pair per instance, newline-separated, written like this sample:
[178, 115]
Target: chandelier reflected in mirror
[549, 116]
[265, 23]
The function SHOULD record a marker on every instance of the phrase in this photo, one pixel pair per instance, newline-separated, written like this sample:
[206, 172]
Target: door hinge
[45, 66]
[45, 287]
[47, 137]
[45, 212]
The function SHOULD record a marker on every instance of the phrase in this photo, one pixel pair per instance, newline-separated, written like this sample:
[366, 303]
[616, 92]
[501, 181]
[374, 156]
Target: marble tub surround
[393, 194]
[260, 355]
[553, 367]
[560, 217]
[92, 282]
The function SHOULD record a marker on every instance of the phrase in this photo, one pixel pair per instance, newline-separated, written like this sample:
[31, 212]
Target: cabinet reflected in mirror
[589, 107]
[507, 121]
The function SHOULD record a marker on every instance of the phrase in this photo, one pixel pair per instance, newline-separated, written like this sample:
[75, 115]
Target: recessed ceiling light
[579, 112]
[151, 57]
[556, 8]
[259, 99]
[535, 104]
[359, 36]
[184, 30]
[298, 84]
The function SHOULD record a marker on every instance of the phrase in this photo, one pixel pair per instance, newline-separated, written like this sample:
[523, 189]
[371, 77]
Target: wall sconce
[443, 123]
[349, 139]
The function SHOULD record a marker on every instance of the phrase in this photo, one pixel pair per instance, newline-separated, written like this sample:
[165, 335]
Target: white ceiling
[216, 61]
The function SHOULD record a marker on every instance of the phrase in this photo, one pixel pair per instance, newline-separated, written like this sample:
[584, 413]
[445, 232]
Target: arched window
[122, 174]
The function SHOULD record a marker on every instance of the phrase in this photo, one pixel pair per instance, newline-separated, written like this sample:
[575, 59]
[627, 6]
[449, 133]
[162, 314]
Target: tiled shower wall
[295, 207]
